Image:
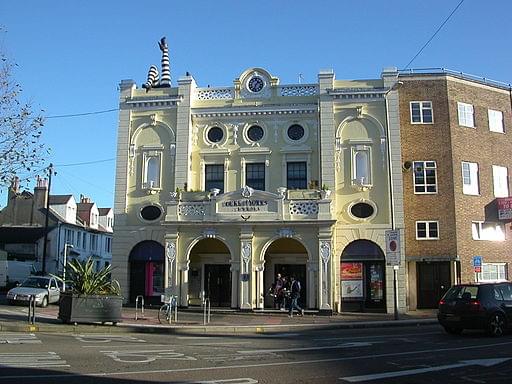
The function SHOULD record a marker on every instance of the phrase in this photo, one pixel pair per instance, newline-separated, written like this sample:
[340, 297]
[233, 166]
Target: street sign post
[393, 247]
[477, 265]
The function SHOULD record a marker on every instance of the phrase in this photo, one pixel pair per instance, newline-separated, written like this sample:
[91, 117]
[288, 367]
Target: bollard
[141, 306]
[207, 308]
[31, 309]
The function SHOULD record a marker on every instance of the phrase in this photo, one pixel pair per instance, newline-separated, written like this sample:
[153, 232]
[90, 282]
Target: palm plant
[84, 280]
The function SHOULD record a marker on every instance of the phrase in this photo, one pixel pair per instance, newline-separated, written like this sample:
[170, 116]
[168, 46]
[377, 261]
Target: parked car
[486, 306]
[44, 288]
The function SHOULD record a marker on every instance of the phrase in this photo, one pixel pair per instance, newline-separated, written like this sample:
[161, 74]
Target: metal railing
[31, 309]
[141, 298]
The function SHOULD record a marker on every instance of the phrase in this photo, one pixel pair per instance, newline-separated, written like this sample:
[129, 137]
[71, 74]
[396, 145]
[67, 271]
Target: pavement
[192, 320]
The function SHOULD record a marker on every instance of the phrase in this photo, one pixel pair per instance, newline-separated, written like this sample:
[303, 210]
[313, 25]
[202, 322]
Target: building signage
[504, 208]
[393, 247]
[245, 205]
[351, 280]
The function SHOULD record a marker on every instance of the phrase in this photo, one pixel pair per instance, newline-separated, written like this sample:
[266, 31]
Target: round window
[295, 132]
[362, 210]
[150, 212]
[255, 133]
[215, 134]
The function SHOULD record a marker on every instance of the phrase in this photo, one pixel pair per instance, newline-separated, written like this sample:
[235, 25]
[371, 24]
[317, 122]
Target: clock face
[255, 84]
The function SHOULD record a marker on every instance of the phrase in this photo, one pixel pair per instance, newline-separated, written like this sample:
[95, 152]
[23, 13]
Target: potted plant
[93, 296]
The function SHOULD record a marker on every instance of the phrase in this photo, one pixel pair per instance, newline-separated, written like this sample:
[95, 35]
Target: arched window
[152, 171]
[361, 165]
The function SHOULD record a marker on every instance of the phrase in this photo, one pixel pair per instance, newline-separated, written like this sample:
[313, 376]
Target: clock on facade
[255, 84]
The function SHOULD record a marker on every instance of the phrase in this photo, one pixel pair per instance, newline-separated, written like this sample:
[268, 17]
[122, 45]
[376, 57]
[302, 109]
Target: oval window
[295, 132]
[255, 133]
[215, 134]
[151, 212]
[362, 210]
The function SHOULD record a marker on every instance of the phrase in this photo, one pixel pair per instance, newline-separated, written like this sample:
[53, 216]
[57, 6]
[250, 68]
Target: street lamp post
[65, 263]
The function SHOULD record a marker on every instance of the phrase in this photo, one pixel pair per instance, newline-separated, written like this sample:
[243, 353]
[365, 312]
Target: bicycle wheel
[163, 314]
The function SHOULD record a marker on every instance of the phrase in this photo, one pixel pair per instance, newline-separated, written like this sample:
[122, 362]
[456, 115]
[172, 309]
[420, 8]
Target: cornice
[255, 111]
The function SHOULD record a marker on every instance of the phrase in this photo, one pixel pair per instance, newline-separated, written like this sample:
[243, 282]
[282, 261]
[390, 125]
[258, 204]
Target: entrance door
[217, 284]
[299, 271]
[433, 282]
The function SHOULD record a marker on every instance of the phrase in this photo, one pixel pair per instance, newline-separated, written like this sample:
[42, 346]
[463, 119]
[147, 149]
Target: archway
[287, 257]
[363, 277]
[146, 263]
[210, 273]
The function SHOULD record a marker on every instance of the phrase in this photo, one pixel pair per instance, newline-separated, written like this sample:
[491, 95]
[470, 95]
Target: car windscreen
[35, 283]
[462, 291]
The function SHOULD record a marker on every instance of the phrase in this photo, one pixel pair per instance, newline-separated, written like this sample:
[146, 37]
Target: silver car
[44, 288]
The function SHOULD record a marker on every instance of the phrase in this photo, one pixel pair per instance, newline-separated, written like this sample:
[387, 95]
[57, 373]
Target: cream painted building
[220, 189]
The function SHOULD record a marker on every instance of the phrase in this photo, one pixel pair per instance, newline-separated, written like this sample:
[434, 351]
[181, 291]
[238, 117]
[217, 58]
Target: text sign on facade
[504, 208]
[392, 247]
[245, 205]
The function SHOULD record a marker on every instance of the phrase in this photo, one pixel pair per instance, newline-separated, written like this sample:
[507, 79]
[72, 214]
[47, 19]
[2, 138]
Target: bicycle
[165, 311]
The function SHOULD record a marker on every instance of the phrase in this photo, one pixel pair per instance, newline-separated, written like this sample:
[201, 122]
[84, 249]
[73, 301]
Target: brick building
[456, 146]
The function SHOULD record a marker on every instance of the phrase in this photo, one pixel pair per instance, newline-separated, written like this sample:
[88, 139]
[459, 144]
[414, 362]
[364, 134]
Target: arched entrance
[147, 271]
[363, 277]
[289, 258]
[210, 272]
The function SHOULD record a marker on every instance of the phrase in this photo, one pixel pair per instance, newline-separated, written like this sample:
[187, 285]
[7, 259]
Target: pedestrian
[278, 291]
[295, 295]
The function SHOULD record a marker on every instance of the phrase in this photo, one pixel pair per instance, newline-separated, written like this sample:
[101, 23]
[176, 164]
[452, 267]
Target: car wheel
[11, 302]
[44, 302]
[496, 326]
[453, 330]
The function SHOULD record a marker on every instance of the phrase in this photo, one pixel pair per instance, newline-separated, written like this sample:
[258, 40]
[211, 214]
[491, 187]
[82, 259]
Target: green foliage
[21, 152]
[84, 280]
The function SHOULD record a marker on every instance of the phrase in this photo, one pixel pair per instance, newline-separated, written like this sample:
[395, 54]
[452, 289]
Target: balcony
[249, 205]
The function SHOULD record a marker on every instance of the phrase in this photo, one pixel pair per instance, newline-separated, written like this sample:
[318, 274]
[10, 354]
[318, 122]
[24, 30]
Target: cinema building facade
[218, 189]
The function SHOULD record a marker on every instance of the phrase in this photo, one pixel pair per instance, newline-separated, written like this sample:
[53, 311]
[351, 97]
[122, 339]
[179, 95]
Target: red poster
[351, 271]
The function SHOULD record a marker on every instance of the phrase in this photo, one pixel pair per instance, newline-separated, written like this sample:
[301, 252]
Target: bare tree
[21, 151]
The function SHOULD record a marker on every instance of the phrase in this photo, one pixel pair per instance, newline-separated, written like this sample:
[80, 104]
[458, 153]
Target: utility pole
[50, 172]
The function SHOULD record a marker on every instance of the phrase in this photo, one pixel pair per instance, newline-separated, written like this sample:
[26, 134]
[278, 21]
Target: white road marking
[215, 344]
[124, 345]
[18, 338]
[242, 380]
[31, 360]
[98, 338]
[146, 356]
[409, 372]
[338, 346]
[246, 366]
[277, 335]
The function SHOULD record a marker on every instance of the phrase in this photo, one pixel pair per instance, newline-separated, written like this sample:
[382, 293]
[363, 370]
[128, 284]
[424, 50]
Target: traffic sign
[393, 247]
[477, 261]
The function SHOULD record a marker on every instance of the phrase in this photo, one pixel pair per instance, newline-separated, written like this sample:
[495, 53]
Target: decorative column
[182, 291]
[312, 270]
[324, 275]
[245, 273]
[171, 275]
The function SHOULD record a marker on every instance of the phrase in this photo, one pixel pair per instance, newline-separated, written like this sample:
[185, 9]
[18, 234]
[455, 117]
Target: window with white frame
[490, 231]
[214, 177]
[296, 175]
[470, 183]
[361, 165]
[493, 272]
[495, 121]
[465, 112]
[255, 175]
[425, 177]
[500, 181]
[427, 230]
[421, 112]
[152, 170]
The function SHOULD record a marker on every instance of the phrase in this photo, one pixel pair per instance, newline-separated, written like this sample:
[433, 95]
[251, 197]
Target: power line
[435, 33]
[82, 114]
[85, 163]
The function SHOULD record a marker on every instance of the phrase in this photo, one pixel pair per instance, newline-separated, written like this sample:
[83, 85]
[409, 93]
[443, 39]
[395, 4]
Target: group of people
[287, 291]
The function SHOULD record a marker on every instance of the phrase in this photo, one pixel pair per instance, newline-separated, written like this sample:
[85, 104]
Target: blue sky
[71, 55]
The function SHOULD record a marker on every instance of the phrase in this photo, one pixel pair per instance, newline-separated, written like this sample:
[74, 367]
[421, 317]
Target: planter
[90, 308]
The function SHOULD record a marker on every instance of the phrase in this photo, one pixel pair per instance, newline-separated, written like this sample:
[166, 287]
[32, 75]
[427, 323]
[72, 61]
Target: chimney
[85, 199]
[14, 189]
[40, 197]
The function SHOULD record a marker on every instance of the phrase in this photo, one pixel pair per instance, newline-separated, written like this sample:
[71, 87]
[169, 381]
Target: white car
[44, 288]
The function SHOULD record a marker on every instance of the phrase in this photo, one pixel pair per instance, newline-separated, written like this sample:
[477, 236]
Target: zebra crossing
[18, 338]
[31, 360]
